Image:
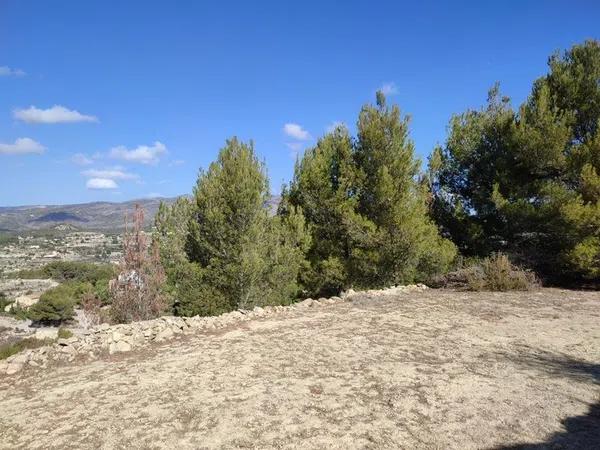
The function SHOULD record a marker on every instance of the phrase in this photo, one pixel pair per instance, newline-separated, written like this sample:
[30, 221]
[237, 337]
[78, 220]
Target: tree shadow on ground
[581, 432]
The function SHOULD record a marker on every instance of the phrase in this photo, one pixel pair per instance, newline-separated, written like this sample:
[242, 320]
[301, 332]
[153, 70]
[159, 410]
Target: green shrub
[7, 350]
[56, 305]
[18, 312]
[71, 271]
[64, 333]
[497, 273]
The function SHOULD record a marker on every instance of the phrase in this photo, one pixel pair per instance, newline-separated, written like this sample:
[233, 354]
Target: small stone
[118, 347]
[102, 327]
[116, 336]
[149, 332]
[164, 334]
[20, 358]
[305, 303]
[13, 368]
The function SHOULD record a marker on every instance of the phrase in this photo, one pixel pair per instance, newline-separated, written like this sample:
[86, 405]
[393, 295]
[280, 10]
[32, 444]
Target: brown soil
[434, 369]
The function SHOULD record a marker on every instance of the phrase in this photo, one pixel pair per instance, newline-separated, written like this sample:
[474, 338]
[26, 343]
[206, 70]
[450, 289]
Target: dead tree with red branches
[137, 292]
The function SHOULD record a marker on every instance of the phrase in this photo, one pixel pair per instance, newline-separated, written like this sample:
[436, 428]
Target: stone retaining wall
[126, 337]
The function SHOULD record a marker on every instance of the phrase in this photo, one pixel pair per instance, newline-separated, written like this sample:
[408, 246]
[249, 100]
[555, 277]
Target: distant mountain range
[85, 216]
[100, 216]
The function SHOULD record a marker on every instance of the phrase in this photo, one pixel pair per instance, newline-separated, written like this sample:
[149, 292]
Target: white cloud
[6, 71]
[334, 125]
[296, 131]
[81, 160]
[112, 174]
[21, 147]
[154, 195]
[142, 154]
[101, 183]
[295, 146]
[389, 88]
[56, 114]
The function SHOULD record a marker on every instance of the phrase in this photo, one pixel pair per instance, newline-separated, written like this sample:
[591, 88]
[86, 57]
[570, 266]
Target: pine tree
[365, 207]
[244, 257]
[527, 182]
[323, 187]
[389, 195]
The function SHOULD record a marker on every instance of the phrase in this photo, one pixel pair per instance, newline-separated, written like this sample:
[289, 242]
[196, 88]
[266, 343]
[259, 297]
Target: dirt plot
[434, 369]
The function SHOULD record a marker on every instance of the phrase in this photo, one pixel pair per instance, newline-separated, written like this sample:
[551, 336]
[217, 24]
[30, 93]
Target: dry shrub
[91, 314]
[137, 291]
[497, 273]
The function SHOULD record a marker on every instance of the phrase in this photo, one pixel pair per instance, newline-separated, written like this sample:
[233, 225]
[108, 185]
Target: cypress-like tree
[408, 244]
[237, 256]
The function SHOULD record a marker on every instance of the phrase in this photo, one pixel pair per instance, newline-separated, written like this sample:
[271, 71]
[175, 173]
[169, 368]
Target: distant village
[33, 251]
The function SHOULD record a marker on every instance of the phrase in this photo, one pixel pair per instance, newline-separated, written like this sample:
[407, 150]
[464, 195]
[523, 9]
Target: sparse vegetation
[63, 271]
[10, 349]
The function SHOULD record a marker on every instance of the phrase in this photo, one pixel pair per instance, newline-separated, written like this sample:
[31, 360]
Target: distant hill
[60, 216]
[101, 216]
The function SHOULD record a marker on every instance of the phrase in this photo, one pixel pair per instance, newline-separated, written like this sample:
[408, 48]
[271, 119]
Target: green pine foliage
[57, 305]
[526, 182]
[366, 210]
[223, 251]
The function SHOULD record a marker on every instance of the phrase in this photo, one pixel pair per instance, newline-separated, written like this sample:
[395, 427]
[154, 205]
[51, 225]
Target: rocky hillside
[87, 216]
[84, 216]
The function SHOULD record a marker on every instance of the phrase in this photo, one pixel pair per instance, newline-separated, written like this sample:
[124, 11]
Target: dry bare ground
[434, 369]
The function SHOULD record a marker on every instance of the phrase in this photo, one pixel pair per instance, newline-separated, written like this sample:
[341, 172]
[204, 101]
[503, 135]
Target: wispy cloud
[56, 114]
[389, 88]
[112, 174]
[142, 154]
[101, 183]
[6, 71]
[294, 146]
[334, 125]
[176, 162]
[22, 146]
[81, 160]
[296, 131]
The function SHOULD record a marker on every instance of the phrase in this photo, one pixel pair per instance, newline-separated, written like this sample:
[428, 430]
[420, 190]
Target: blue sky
[115, 100]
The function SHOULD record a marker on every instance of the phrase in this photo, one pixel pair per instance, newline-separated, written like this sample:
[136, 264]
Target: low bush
[494, 273]
[64, 333]
[57, 304]
[92, 313]
[63, 271]
[497, 273]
